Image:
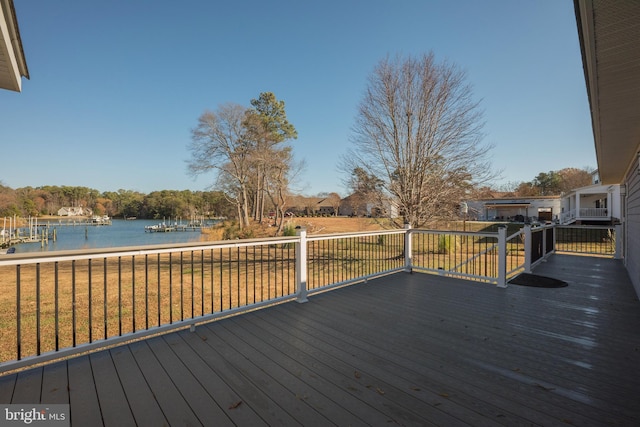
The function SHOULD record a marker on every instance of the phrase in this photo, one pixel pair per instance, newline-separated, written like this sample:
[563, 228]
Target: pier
[29, 230]
[164, 228]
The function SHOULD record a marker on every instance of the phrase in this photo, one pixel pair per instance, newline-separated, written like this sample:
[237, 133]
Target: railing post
[408, 249]
[301, 265]
[618, 237]
[528, 248]
[502, 256]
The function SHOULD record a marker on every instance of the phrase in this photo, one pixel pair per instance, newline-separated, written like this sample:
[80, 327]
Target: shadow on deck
[406, 349]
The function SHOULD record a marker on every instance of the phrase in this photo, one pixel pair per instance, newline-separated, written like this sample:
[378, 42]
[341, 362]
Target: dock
[164, 228]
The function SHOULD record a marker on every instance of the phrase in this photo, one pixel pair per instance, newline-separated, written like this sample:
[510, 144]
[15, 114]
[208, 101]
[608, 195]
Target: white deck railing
[585, 213]
[58, 304]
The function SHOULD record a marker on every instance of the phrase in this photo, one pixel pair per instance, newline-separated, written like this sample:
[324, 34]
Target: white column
[408, 249]
[301, 266]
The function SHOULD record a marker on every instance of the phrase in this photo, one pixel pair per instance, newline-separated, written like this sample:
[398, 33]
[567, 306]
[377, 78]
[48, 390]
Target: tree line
[365, 188]
[47, 200]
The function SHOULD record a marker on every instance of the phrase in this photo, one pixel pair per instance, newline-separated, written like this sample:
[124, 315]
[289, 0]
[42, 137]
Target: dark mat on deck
[526, 279]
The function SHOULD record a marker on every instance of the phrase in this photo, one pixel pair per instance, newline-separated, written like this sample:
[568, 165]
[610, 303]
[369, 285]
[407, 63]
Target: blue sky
[117, 86]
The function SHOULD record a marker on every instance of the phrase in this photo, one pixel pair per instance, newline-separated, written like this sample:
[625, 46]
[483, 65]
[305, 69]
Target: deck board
[113, 401]
[7, 385]
[250, 393]
[196, 396]
[83, 397]
[28, 386]
[145, 408]
[175, 408]
[55, 388]
[407, 349]
[290, 374]
[226, 397]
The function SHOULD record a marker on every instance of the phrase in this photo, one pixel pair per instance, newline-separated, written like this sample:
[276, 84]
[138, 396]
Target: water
[119, 233]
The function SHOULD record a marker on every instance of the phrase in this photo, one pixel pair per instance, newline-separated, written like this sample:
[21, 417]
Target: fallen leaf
[543, 387]
[444, 394]
[415, 388]
[356, 374]
[235, 405]
[379, 390]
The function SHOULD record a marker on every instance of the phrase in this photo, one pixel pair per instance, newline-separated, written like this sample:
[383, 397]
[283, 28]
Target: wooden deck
[407, 349]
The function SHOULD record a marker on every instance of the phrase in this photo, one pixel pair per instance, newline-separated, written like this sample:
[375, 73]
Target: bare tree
[420, 132]
[219, 143]
[280, 170]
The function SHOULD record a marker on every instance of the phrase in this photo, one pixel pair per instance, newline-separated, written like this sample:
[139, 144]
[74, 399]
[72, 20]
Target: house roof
[508, 205]
[609, 33]
[523, 199]
[13, 65]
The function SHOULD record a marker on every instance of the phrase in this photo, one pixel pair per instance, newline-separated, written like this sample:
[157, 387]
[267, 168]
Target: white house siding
[491, 209]
[632, 226]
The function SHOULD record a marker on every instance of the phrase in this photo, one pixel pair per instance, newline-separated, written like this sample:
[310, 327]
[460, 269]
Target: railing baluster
[158, 264]
[90, 303]
[193, 286]
[202, 282]
[230, 278]
[146, 291]
[57, 306]
[104, 295]
[38, 341]
[119, 296]
[213, 293]
[181, 286]
[18, 315]
[73, 300]
[254, 274]
[133, 292]
[170, 288]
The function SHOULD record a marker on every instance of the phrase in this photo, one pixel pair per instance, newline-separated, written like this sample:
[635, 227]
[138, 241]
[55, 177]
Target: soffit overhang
[609, 33]
[12, 61]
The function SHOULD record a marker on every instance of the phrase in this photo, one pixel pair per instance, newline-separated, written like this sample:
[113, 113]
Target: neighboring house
[594, 204]
[300, 205]
[611, 62]
[353, 205]
[326, 207]
[13, 65]
[356, 205]
[519, 209]
[74, 211]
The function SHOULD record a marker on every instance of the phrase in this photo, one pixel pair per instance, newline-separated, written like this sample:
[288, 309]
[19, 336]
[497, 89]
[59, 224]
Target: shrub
[444, 243]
